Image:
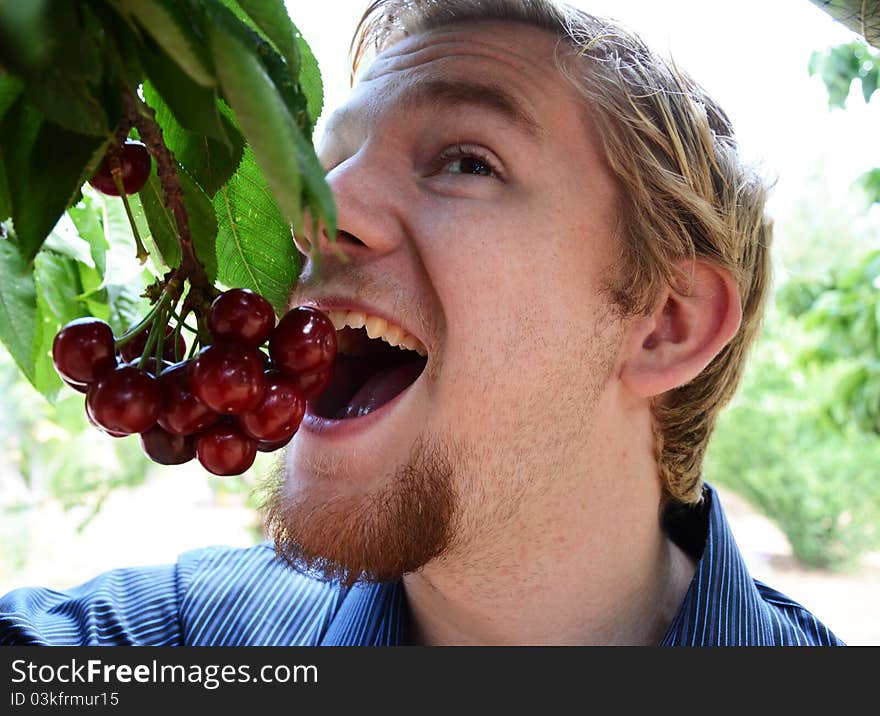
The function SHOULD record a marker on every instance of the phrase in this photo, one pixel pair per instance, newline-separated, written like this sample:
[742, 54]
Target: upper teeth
[377, 328]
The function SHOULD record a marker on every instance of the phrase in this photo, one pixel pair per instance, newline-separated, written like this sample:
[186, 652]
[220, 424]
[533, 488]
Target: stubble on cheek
[393, 529]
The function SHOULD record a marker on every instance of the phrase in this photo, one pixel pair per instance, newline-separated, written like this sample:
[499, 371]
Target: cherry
[241, 315]
[167, 449]
[134, 347]
[83, 350]
[111, 433]
[303, 342]
[126, 400]
[279, 412]
[78, 387]
[224, 450]
[182, 413]
[227, 377]
[313, 384]
[135, 162]
[266, 446]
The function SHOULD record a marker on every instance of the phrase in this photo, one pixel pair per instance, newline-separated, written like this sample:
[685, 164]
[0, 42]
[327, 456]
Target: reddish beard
[379, 536]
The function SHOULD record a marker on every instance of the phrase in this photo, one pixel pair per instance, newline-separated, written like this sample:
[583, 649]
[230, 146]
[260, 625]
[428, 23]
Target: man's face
[480, 220]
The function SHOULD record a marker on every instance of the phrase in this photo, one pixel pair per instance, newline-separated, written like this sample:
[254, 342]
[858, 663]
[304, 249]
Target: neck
[601, 571]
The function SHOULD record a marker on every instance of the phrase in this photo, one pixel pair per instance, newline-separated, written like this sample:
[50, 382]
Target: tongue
[381, 388]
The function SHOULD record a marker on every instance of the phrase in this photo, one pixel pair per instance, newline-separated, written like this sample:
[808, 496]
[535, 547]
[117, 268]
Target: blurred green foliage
[776, 445]
[52, 454]
[839, 66]
[801, 440]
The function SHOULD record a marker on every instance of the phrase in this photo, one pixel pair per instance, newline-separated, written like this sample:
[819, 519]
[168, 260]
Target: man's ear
[690, 325]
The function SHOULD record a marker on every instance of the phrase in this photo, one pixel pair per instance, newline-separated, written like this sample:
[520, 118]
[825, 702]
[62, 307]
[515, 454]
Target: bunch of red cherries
[244, 392]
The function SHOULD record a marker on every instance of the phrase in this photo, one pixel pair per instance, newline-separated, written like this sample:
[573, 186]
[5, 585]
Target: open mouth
[375, 362]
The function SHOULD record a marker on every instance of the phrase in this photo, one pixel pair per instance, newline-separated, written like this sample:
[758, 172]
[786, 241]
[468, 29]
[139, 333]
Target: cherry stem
[154, 337]
[176, 335]
[140, 325]
[181, 322]
[160, 343]
[116, 173]
[193, 348]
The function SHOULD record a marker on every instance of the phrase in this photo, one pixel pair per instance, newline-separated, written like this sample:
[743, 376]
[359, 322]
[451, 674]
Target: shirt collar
[722, 606]
[370, 614]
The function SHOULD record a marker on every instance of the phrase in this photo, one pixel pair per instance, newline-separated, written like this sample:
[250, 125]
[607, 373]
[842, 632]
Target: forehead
[502, 66]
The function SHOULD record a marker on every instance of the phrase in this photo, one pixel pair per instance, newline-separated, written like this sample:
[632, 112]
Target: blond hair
[685, 191]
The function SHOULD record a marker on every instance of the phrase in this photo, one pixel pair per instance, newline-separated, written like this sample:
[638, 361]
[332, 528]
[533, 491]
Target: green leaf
[290, 91]
[193, 106]
[93, 296]
[66, 241]
[58, 288]
[68, 89]
[261, 113]
[18, 306]
[870, 182]
[272, 18]
[168, 23]
[45, 165]
[10, 88]
[5, 198]
[163, 227]
[202, 224]
[126, 305]
[24, 40]
[209, 161]
[121, 265]
[85, 217]
[70, 101]
[310, 79]
[251, 236]
[163, 230]
[284, 155]
[869, 83]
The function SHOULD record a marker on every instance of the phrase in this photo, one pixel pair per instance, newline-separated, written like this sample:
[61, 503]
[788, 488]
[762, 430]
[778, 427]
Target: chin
[394, 522]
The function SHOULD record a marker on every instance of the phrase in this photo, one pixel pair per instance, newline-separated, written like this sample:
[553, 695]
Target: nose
[367, 207]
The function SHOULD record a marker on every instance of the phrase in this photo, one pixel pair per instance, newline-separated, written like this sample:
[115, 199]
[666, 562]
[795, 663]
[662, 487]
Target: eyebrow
[450, 94]
[440, 94]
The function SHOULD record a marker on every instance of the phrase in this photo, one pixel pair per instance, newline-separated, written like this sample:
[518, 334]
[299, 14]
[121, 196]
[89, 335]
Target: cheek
[504, 363]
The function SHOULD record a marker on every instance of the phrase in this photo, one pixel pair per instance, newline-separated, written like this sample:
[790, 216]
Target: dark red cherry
[227, 377]
[182, 413]
[78, 387]
[111, 433]
[223, 449]
[126, 400]
[313, 384]
[303, 342]
[241, 315]
[279, 412]
[264, 446]
[135, 162]
[83, 350]
[167, 449]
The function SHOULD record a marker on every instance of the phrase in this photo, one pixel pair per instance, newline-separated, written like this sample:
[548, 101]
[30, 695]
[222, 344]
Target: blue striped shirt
[222, 596]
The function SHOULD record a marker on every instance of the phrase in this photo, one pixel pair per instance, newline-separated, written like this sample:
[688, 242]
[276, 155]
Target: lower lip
[351, 427]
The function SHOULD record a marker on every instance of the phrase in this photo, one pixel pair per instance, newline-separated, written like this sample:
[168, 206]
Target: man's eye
[466, 160]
